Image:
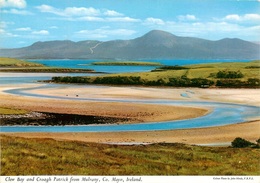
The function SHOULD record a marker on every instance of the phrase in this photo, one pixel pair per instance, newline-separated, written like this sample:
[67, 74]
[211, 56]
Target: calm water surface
[86, 64]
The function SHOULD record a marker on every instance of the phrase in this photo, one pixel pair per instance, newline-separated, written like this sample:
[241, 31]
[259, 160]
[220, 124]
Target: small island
[126, 63]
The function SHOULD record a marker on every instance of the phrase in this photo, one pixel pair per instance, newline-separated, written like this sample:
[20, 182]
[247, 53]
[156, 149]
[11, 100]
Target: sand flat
[135, 112]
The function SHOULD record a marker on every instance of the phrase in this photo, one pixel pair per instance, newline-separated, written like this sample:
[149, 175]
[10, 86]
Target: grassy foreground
[49, 157]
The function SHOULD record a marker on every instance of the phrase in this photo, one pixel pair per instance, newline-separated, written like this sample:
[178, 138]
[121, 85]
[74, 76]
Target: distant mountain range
[155, 44]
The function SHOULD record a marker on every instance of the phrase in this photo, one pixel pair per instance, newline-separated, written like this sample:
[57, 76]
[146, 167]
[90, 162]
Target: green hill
[11, 62]
[16, 65]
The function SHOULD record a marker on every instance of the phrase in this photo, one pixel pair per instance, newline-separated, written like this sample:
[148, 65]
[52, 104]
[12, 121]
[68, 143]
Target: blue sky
[23, 22]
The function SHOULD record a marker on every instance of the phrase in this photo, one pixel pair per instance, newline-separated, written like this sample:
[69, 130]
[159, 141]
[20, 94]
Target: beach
[136, 112]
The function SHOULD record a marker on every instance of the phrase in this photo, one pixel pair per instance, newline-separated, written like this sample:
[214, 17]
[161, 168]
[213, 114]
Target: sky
[23, 22]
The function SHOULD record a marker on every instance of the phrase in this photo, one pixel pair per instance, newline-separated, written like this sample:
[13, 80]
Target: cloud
[113, 13]
[70, 11]
[213, 30]
[46, 9]
[89, 19]
[4, 33]
[254, 17]
[24, 29]
[104, 33]
[242, 18]
[53, 27]
[82, 11]
[49, 9]
[4, 24]
[232, 17]
[84, 18]
[12, 3]
[152, 21]
[187, 17]
[78, 11]
[17, 12]
[86, 14]
[200, 28]
[122, 19]
[41, 32]
[100, 19]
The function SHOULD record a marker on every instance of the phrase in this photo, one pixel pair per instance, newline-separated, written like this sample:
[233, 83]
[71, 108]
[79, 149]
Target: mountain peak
[158, 33]
[158, 38]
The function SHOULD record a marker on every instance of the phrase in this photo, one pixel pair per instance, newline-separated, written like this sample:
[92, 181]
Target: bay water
[86, 64]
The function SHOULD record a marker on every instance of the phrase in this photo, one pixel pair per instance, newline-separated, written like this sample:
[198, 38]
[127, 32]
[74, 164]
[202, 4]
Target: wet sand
[138, 112]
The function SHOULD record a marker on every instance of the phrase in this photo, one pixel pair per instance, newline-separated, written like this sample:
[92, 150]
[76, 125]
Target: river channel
[221, 114]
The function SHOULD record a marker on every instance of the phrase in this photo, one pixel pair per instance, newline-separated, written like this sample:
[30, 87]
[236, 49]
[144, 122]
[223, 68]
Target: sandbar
[136, 112]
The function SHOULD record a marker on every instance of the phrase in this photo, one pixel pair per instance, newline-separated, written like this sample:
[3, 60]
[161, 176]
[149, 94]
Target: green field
[249, 69]
[16, 65]
[236, 75]
[46, 70]
[49, 157]
[127, 63]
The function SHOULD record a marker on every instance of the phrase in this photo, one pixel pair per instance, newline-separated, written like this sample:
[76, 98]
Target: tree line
[182, 81]
[235, 83]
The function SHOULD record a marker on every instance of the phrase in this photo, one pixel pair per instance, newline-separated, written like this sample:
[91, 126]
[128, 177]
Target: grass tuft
[8, 111]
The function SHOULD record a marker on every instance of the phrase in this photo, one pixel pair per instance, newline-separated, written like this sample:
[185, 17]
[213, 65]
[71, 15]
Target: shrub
[230, 83]
[229, 74]
[186, 82]
[120, 80]
[253, 82]
[175, 67]
[241, 143]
